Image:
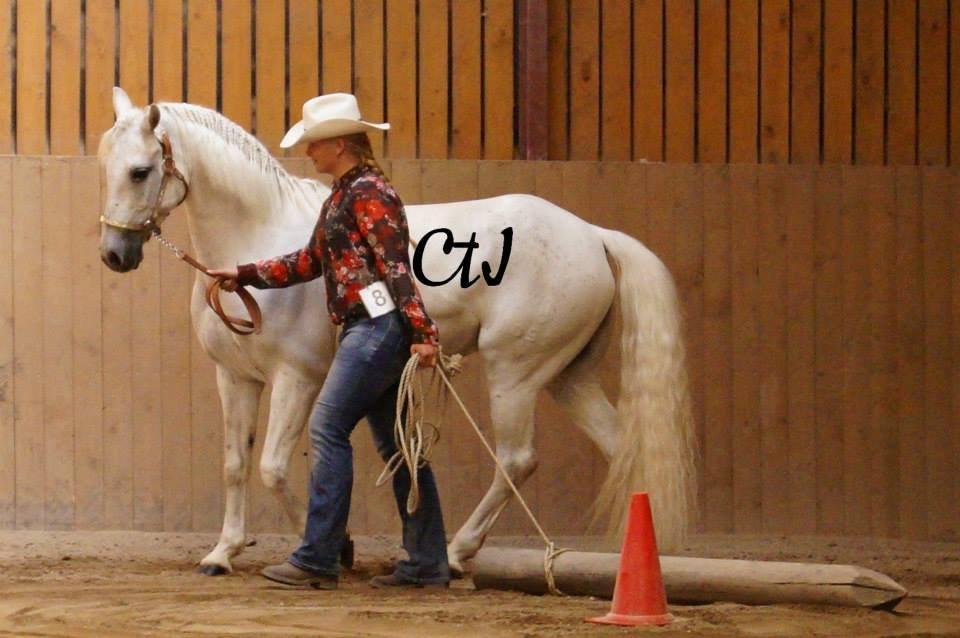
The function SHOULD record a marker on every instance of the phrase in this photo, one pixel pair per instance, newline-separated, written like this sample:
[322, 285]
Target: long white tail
[657, 440]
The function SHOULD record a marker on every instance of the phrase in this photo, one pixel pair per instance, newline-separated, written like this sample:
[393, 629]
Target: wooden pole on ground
[693, 580]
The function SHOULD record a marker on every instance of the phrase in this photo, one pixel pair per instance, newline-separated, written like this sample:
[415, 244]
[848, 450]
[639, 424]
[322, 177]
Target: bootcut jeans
[363, 381]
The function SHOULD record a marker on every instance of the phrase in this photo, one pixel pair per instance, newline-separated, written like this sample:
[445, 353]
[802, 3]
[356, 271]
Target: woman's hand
[428, 353]
[229, 276]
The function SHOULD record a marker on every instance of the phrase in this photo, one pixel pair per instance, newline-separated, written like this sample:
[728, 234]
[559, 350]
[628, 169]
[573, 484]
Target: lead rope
[414, 448]
[237, 325]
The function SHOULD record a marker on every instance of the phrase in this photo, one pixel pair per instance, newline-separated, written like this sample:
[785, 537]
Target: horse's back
[556, 272]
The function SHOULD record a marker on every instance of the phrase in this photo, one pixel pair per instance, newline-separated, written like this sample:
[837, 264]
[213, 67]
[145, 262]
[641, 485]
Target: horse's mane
[229, 132]
[223, 129]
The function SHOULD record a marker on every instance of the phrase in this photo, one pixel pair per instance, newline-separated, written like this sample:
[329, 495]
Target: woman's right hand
[228, 276]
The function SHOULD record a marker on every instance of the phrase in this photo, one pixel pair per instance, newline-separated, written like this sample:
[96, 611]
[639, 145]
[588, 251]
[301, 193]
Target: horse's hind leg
[578, 391]
[512, 413]
[239, 399]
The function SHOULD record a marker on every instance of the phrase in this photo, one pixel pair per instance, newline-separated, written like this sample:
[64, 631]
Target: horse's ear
[152, 119]
[121, 102]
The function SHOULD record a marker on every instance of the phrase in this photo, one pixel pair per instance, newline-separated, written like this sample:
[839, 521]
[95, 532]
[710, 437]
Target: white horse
[544, 326]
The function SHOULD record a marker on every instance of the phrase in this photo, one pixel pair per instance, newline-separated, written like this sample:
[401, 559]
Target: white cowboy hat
[327, 116]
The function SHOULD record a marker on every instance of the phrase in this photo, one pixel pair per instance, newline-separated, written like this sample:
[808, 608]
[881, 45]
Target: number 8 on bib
[376, 299]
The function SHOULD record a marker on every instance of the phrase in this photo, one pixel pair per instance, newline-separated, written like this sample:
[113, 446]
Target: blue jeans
[363, 381]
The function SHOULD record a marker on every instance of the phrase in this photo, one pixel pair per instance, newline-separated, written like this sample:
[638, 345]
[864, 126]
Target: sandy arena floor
[143, 584]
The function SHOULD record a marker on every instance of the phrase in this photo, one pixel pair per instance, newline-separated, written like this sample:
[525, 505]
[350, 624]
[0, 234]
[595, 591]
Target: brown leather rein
[157, 217]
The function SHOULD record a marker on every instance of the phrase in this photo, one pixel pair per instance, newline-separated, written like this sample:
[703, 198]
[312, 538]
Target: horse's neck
[236, 208]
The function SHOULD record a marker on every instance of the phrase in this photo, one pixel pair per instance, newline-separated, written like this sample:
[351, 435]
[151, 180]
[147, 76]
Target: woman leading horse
[359, 246]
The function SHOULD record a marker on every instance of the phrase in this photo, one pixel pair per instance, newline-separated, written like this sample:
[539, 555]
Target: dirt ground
[143, 584]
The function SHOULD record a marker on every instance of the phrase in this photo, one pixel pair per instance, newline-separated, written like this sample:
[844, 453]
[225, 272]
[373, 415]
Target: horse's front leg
[290, 403]
[239, 399]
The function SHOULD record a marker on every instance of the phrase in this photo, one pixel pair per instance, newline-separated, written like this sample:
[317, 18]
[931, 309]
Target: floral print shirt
[360, 237]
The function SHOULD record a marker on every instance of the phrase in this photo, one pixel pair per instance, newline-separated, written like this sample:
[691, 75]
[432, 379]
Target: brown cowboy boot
[289, 574]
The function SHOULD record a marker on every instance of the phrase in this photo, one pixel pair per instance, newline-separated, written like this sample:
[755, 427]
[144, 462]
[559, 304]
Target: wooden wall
[257, 62]
[822, 316]
[740, 81]
[771, 81]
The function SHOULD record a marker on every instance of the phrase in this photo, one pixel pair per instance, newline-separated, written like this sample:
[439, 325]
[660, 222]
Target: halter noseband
[158, 216]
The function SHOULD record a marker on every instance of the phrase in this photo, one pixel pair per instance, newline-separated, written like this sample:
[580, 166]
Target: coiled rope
[415, 440]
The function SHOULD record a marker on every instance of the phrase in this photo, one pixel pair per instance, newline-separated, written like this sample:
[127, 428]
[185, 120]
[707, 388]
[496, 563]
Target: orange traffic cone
[638, 597]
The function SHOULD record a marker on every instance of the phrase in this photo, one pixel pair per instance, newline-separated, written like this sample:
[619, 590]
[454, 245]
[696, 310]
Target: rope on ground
[414, 447]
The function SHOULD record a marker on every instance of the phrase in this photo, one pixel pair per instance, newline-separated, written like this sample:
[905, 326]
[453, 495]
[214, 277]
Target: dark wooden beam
[532, 79]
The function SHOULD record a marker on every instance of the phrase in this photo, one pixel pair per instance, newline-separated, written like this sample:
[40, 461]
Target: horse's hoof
[456, 574]
[213, 570]
[251, 542]
[346, 553]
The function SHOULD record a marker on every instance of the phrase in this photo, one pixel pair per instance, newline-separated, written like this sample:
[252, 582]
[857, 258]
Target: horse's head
[131, 155]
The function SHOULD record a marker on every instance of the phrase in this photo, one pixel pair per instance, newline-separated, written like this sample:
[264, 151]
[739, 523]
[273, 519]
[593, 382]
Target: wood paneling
[466, 85]
[369, 58]
[744, 38]
[775, 81]
[31, 78]
[236, 45]
[648, 38]
[401, 76]
[87, 346]
[828, 350]
[7, 66]
[27, 364]
[717, 444]
[558, 79]
[271, 71]
[870, 74]
[805, 82]
[584, 80]
[901, 80]
[745, 360]
[832, 81]
[498, 79]
[57, 340]
[932, 76]
[679, 102]
[838, 41]
[201, 54]
[304, 55]
[8, 431]
[64, 78]
[101, 51]
[615, 98]
[168, 34]
[820, 316]
[434, 50]
[711, 140]
[337, 44]
[771, 398]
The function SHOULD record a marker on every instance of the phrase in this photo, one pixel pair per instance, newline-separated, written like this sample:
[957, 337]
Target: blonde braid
[359, 145]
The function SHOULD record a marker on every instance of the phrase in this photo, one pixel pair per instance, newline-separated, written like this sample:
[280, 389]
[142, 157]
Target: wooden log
[693, 580]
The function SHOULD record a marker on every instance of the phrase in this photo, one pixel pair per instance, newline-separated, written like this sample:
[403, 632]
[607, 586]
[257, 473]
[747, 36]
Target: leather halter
[158, 216]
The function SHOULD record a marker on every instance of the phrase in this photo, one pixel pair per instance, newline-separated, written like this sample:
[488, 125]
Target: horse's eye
[140, 174]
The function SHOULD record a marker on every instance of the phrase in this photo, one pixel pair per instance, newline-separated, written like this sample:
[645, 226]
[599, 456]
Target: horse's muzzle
[119, 253]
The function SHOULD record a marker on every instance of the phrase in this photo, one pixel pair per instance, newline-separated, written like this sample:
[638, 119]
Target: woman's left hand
[427, 352]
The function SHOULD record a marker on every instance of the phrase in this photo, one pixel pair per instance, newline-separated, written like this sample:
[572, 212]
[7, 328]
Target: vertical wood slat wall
[820, 311]
[769, 81]
[257, 62]
[807, 81]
